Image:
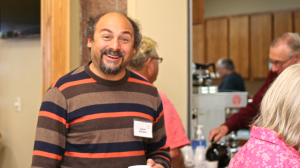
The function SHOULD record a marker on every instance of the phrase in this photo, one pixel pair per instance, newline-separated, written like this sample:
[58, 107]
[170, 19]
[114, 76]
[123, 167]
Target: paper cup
[140, 166]
[211, 164]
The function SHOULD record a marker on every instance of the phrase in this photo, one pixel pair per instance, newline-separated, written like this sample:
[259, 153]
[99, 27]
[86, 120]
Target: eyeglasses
[278, 63]
[159, 60]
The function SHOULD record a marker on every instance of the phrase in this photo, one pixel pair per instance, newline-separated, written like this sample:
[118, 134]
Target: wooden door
[55, 39]
[282, 22]
[216, 39]
[260, 39]
[239, 44]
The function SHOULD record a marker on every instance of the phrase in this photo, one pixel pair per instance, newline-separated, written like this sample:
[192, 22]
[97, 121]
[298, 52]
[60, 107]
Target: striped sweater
[85, 121]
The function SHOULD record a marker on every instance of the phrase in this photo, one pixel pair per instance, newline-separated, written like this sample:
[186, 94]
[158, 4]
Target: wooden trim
[55, 39]
[46, 43]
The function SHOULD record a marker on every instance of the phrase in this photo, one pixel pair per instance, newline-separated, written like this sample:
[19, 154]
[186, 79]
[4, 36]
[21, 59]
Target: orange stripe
[47, 154]
[66, 85]
[164, 147]
[54, 84]
[53, 116]
[111, 115]
[161, 113]
[140, 81]
[105, 155]
[163, 157]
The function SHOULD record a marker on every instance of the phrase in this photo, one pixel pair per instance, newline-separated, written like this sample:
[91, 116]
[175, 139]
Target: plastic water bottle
[199, 139]
[199, 158]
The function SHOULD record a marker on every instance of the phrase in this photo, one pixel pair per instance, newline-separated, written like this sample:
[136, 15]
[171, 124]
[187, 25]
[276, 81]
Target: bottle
[199, 139]
[199, 158]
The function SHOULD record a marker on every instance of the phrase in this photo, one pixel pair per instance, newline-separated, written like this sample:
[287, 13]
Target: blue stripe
[70, 78]
[46, 147]
[157, 145]
[54, 108]
[105, 108]
[158, 153]
[159, 110]
[136, 76]
[106, 147]
[164, 165]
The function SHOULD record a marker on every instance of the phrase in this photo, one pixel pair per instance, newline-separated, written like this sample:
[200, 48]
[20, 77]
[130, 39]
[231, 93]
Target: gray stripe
[55, 96]
[46, 135]
[96, 137]
[89, 99]
[159, 134]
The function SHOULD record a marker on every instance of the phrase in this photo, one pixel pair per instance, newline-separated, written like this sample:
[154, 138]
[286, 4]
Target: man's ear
[148, 62]
[297, 56]
[89, 42]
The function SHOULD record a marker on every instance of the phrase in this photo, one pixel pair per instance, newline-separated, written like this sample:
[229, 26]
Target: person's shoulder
[231, 76]
[237, 75]
[137, 78]
[163, 96]
[73, 76]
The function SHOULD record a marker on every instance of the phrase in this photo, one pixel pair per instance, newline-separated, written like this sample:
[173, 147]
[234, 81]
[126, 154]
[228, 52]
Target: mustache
[109, 51]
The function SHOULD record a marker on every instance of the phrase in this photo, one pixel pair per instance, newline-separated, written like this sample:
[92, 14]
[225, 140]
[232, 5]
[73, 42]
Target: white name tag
[142, 128]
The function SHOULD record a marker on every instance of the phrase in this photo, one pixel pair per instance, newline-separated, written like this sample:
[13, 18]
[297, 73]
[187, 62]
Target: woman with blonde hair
[275, 134]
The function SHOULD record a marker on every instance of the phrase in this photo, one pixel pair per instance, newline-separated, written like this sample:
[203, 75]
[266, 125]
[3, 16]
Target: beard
[111, 68]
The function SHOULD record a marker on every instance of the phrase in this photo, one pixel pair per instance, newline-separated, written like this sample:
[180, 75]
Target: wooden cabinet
[245, 39]
[216, 39]
[198, 44]
[297, 21]
[239, 44]
[198, 11]
[282, 22]
[260, 39]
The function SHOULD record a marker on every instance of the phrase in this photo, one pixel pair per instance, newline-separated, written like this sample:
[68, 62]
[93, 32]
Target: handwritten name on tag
[142, 128]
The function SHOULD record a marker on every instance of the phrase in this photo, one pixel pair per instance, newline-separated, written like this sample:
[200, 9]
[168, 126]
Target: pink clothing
[176, 136]
[265, 150]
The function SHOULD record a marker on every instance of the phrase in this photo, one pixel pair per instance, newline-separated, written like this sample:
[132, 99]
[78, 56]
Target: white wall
[20, 76]
[166, 22]
[216, 8]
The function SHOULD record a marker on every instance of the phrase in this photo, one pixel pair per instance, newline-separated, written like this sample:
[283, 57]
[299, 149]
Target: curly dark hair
[90, 28]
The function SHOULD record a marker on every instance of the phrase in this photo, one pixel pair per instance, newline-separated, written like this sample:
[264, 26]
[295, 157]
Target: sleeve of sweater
[243, 118]
[50, 140]
[157, 148]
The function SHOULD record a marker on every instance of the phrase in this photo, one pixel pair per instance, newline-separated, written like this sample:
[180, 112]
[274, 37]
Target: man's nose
[275, 68]
[115, 45]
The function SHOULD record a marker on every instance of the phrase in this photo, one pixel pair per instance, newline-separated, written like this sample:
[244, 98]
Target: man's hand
[151, 163]
[218, 133]
[177, 158]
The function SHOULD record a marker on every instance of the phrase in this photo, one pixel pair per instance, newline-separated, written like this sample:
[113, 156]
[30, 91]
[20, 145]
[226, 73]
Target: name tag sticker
[142, 128]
